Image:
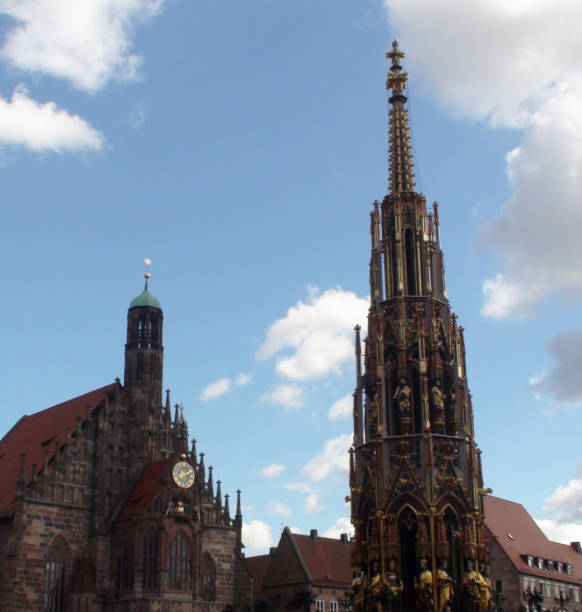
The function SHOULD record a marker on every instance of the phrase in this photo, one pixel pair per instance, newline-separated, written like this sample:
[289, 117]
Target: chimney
[576, 546]
[313, 534]
[344, 538]
[272, 551]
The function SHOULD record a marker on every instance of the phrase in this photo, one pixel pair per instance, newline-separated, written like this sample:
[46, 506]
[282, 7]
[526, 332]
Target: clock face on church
[183, 474]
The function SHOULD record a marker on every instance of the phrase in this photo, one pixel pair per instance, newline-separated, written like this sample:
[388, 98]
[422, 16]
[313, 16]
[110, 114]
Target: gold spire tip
[147, 271]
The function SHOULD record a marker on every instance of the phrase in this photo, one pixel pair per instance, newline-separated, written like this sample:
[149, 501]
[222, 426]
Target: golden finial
[395, 55]
[147, 274]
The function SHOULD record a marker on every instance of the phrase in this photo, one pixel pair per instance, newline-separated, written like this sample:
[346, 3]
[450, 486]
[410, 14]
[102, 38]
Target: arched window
[54, 576]
[149, 566]
[208, 586]
[409, 257]
[124, 567]
[180, 562]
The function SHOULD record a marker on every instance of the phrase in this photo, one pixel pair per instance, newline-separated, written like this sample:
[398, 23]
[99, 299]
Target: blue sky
[240, 146]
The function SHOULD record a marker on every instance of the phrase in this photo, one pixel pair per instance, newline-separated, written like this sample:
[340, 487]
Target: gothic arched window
[124, 566]
[149, 566]
[54, 576]
[180, 562]
[208, 586]
[410, 260]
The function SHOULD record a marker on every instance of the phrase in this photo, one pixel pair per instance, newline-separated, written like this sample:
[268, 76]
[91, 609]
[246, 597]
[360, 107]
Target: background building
[105, 506]
[523, 558]
[304, 572]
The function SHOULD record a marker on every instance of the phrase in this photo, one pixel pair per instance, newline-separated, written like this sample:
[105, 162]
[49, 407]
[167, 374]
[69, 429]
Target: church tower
[415, 470]
[144, 353]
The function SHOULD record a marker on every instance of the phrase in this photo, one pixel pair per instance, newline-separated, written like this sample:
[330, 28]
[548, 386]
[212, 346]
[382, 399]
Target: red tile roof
[327, 559]
[258, 567]
[519, 535]
[146, 488]
[36, 433]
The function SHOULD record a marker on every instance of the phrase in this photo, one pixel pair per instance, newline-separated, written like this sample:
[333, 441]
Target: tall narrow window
[394, 267]
[124, 567]
[139, 372]
[180, 562]
[208, 586]
[150, 561]
[54, 576]
[410, 267]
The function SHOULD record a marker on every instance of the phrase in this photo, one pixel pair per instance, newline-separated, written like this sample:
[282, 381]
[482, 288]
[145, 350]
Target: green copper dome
[145, 299]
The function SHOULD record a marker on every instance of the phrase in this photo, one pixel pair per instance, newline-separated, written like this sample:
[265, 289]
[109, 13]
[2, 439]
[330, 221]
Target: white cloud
[257, 535]
[333, 458]
[242, 380]
[319, 332]
[561, 532]
[279, 508]
[272, 470]
[565, 503]
[342, 408]
[342, 525]
[86, 43]
[215, 389]
[289, 396]
[312, 505]
[295, 529]
[299, 487]
[44, 127]
[563, 383]
[535, 87]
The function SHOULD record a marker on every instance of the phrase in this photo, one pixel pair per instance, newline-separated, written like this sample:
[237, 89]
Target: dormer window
[540, 563]
[529, 560]
[568, 569]
[559, 567]
[551, 566]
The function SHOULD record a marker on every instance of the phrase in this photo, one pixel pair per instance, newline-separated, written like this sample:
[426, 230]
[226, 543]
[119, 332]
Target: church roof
[145, 298]
[36, 433]
[146, 488]
[519, 536]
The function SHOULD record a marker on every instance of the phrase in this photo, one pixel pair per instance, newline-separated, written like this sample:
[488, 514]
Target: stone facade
[91, 517]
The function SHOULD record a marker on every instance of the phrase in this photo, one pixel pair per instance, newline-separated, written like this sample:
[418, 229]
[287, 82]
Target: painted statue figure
[377, 588]
[395, 587]
[445, 587]
[358, 589]
[423, 587]
[472, 587]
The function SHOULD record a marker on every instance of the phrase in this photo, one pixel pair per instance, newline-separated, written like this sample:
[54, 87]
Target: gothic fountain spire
[401, 161]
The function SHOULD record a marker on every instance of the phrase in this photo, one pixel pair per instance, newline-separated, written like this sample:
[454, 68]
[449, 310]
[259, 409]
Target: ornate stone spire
[401, 162]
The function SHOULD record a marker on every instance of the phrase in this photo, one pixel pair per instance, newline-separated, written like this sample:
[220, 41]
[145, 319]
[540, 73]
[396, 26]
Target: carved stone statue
[358, 590]
[377, 588]
[486, 590]
[395, 587]
[445, 587]
[472, 588]
[423, 587]
[437, 402]
[402, 397]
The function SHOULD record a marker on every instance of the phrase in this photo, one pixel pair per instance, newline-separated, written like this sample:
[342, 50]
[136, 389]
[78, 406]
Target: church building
[104, 504]
[416, 485]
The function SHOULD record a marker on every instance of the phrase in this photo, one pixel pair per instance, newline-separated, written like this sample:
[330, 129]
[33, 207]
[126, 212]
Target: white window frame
[333, 606]
[320, 605]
